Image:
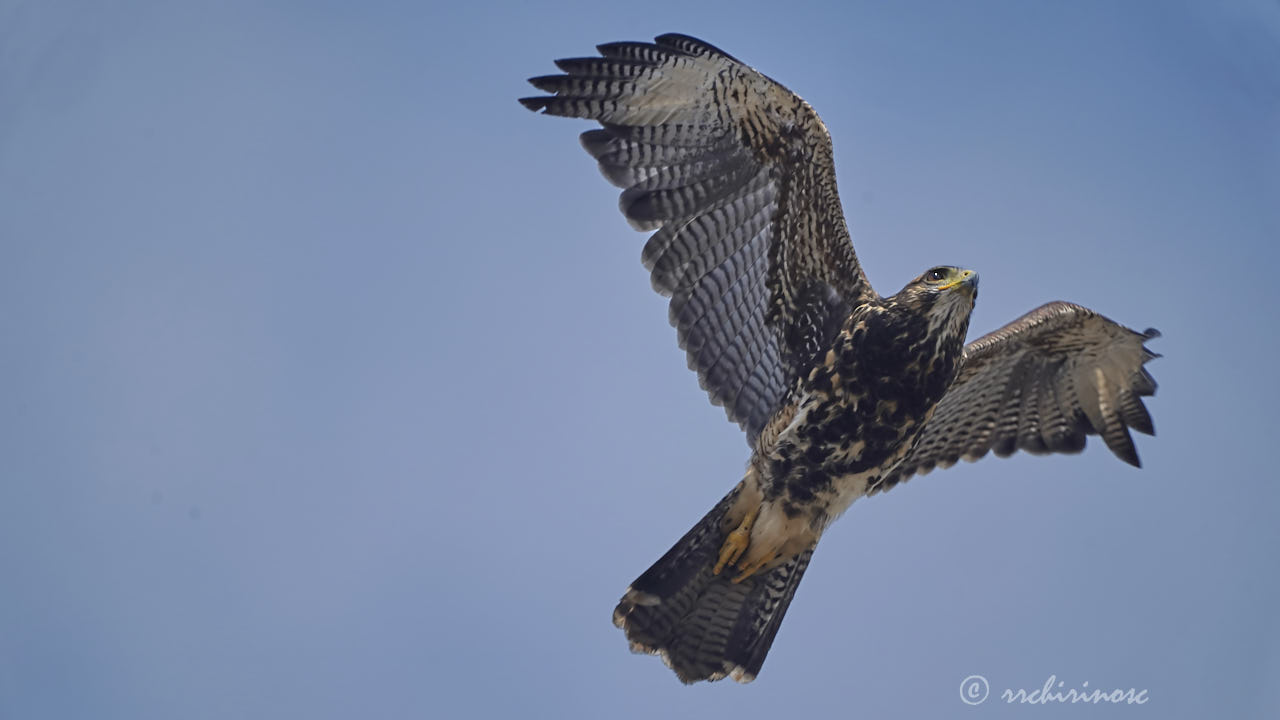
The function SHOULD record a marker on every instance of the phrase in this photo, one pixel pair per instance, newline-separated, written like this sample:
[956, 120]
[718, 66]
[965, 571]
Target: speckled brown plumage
[841, 392]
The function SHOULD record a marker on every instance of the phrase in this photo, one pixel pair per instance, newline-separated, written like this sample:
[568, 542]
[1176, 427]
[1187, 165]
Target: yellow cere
[961, 277]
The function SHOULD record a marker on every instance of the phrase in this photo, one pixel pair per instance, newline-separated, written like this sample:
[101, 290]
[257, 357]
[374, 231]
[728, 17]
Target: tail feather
[705, 626]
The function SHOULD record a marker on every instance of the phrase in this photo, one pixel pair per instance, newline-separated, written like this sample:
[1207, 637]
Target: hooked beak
[968, 281]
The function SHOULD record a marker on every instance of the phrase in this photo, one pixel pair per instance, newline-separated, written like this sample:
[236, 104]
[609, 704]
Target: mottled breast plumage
[861, 407]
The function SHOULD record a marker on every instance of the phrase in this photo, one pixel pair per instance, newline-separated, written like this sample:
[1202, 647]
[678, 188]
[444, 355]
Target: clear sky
[334, 387]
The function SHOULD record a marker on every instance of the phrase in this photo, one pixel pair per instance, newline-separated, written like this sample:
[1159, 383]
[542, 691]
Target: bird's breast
[854, 421]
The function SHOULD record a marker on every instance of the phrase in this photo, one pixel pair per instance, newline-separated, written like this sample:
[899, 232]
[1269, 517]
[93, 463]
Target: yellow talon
[736, 543]
[751, 568]
[732, 549]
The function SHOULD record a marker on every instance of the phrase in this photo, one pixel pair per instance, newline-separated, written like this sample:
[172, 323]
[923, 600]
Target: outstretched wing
[1041, 384]
[735, 173]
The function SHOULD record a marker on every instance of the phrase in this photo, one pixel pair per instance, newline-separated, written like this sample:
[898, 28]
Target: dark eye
[937, 274]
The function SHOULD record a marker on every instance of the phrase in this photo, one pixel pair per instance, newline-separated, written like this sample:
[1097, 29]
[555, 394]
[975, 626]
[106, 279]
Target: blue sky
[335, 386]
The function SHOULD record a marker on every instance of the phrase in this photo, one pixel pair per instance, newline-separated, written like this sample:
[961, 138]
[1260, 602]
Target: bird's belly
[847, 489]
[832, 451]
[852, 466]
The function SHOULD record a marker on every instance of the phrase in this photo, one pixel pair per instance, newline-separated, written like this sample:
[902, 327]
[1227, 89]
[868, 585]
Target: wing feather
[1042, 384]
[734, 174]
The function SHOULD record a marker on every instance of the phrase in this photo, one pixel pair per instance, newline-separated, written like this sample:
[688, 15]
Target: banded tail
[705, 626]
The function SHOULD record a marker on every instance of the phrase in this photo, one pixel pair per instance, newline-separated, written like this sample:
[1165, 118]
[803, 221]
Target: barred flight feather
[1078, 374]
[734, 173]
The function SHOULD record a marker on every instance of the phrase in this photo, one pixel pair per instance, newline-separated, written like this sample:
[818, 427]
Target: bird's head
[945, 294]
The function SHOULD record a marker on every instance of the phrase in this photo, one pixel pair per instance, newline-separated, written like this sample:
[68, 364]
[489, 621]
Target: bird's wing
[1040, 384]
[735, 174]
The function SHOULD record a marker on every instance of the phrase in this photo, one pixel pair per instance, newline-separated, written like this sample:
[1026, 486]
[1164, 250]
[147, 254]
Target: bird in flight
[842, 392]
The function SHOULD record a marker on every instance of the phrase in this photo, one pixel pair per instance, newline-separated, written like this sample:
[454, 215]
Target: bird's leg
[774, 534]
[736, 542]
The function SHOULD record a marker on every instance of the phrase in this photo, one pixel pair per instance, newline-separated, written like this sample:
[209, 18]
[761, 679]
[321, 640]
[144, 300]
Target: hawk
[842, 392]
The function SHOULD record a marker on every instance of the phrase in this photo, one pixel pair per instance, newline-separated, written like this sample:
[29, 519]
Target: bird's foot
[767, 535]
[751, 565]
[736, 543]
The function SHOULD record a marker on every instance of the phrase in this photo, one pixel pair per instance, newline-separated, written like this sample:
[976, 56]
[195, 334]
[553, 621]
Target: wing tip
[1149, 354]
[535, 104]
[547, 83]
[690, 45]
[1129, 456]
